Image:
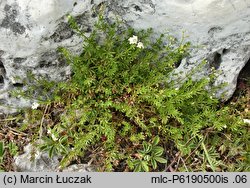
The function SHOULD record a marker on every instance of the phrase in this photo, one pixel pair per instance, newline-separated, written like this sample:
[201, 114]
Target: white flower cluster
[34, 105]
[134, 40]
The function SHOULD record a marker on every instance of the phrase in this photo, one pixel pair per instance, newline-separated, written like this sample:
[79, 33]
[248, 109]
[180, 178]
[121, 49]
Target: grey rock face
[31, 31]
[35, 161]
[78, 168]
[220, 28]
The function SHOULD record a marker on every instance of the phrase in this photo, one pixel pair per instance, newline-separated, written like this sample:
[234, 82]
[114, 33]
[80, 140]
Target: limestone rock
[35, 161]
[220, 28]
[31, 31]
[78, 168]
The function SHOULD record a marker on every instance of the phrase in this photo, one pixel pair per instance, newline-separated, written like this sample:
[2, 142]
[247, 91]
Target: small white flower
[53, 137]
[34, 105]
[49, 131]
[211, 97]
[176, 89]
[246, 121]
[140, 45]
[133, 40]
[13, 80]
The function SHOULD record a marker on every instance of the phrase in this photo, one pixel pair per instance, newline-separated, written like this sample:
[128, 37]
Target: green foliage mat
[121, 111]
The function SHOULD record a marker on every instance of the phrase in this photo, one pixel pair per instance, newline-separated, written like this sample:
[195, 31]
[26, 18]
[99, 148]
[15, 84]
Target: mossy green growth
[121, 111]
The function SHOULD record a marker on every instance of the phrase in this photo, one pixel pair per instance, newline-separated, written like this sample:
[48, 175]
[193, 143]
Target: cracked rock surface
[220, 28]
[31, 31]
[35, 161]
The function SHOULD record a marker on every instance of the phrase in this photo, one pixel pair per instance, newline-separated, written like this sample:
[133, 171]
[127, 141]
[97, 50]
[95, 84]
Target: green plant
[149, 156]
[13, 148]
[2, 151]
[121, 95]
